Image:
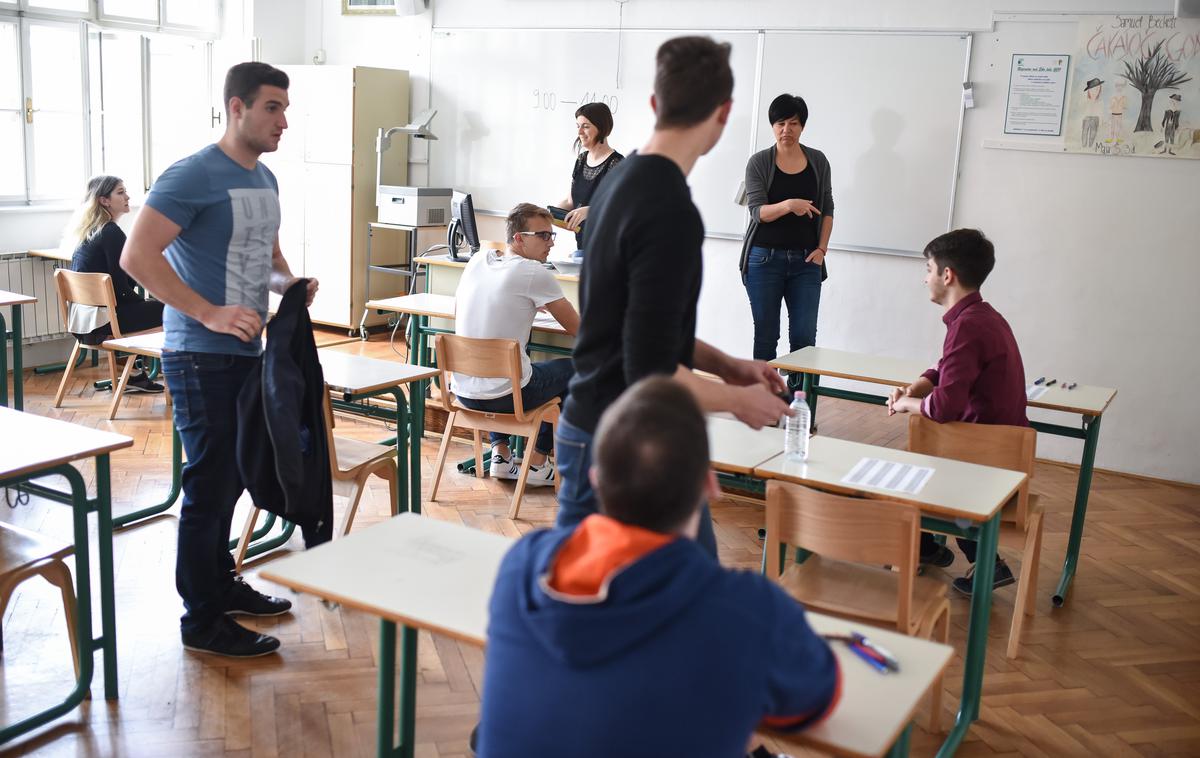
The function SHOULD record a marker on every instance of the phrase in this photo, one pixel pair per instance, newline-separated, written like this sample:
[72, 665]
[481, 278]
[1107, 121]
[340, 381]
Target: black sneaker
[247, 601]
[941, 558]
[1004, 577]
[226, 637]
[142, 383]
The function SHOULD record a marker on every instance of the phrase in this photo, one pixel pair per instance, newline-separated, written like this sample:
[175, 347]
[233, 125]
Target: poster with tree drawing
[1135, 87]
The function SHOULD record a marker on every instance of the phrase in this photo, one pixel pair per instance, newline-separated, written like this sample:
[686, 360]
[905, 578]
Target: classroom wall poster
[1135, 87]
[1036, 91]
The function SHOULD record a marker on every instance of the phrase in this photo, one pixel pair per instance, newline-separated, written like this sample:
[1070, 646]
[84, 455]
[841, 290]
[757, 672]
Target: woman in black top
[791, 208]
[98, 243]
[594, 122]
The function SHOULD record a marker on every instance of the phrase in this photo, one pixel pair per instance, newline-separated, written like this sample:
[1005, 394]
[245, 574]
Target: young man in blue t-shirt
[621, 635]
[215, 215]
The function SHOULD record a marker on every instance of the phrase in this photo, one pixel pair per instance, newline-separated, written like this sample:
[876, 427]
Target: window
[12, 113]
[118, 145]
[55, 127]
[179, 113]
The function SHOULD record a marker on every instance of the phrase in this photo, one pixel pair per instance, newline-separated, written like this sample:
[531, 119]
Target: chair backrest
[850, 529]
[482, 358]
[83, 288]
[996, 445]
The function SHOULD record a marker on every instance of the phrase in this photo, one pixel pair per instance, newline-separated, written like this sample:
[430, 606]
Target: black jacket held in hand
[282, 448]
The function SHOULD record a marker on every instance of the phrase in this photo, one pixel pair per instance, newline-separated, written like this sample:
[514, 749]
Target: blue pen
[1040, 379]
[870, 659]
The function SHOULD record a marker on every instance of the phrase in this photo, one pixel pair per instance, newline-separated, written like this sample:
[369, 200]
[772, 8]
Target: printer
[413, 206]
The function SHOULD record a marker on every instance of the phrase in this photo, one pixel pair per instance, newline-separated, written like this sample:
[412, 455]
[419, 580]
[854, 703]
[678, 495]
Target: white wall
[1097, 282]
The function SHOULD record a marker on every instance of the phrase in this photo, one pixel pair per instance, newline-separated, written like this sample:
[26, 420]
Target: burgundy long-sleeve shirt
[980, 377]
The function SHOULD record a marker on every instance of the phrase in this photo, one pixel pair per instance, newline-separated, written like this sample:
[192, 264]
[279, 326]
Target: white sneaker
[539, 476]
[503, 468]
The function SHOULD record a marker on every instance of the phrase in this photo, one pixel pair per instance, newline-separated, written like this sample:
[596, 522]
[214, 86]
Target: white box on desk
[413, 206]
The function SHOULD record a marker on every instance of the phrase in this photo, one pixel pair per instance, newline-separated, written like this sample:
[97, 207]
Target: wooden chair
[352, 462]
[95, 290]
[25, 554]
[852, 539]
[490, 359]
[1008, 447]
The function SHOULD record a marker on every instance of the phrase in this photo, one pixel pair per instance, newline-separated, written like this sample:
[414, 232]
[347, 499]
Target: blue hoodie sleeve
[805, 682]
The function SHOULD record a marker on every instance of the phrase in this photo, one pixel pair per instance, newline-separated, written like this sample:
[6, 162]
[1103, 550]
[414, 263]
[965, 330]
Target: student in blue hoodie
[621, 636]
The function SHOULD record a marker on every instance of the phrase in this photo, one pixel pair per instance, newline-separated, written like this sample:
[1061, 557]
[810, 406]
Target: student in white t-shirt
[498, 297]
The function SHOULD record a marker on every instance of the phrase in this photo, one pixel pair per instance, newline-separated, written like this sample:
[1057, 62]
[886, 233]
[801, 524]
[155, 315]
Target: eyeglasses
[544, 236]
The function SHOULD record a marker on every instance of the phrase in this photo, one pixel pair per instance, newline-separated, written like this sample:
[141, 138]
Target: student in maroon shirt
[979, 377]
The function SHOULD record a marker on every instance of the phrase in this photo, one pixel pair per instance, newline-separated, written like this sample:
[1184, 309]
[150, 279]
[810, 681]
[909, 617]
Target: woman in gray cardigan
[791, 217]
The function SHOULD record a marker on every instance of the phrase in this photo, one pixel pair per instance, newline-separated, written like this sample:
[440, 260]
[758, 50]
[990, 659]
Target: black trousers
[133, 316]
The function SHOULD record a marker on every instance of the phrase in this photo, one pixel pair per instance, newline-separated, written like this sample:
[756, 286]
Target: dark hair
[693, 79]
[519, 217]
[243, 80]
[601, 118]
[969, 254]
[786, 106]
[651, 456]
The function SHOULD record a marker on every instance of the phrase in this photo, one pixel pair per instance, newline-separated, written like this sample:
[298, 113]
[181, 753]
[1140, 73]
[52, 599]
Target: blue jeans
[577, 499]
[774, 276]
[204, 390]
[548, 380]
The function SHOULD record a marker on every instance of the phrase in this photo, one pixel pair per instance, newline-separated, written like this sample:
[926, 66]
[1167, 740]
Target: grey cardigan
[760, 170]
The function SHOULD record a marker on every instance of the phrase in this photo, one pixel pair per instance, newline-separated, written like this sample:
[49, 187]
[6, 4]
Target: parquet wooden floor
[1116, 673]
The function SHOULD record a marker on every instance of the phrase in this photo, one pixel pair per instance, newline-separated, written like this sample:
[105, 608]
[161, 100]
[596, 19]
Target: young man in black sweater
[641, 277]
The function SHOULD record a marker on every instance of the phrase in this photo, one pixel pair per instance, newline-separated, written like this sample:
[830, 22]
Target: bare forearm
[826, 232]
[708, 358]
[768, 213]
[151, 269]
[713, 397]
[920, 388]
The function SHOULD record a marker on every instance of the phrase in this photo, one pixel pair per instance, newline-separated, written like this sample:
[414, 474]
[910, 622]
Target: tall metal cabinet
[326, 171]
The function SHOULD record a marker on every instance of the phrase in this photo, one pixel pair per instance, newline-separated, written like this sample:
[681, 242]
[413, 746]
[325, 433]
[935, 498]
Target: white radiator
[20, 272]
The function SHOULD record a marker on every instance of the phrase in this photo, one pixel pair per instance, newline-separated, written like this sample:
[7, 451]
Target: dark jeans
[968, 547]
[577, 499]
[548, 380]
[775, 276]
[132, 316]
[204, 388]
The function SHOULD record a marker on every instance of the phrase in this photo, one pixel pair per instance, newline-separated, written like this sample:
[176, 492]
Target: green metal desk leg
[408, 690]
[1082, 488]
[108, 614]
[811, 397]
[981, 607]
[900, 749]
[416, 431]
[385, 727]
[403, 502]
[18, 368]
[4, 361]
[172, 496]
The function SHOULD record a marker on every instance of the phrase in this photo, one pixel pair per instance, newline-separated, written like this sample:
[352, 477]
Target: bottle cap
[799, 395]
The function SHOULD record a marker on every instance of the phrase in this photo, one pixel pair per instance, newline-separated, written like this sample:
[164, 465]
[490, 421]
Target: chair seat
[351, 453]
[857, 591]
[20, 548]
[497, 421]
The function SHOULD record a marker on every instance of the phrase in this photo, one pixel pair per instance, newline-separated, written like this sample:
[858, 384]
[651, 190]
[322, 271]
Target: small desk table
[1090, 402]
[53, 254]
[33, 447]
[960, 498]
[358, 378]
[734, 448]
[16, 300]
[435, 575]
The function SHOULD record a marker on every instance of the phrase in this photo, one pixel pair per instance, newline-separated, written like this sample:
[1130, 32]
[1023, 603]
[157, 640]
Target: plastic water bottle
[795, 439]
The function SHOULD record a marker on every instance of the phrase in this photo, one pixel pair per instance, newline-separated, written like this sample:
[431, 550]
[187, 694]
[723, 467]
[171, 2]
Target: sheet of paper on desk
[1034, 391]
[888, 475]
[544, 319]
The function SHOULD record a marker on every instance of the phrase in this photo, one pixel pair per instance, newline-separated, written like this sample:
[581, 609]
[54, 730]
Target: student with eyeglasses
[498, 297]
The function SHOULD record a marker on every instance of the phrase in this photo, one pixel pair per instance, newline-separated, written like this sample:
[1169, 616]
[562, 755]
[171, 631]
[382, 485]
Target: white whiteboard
[506, 103]
[885, 109]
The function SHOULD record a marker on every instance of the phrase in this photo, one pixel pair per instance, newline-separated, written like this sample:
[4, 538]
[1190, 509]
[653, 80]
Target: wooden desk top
[735, 448]
[15, 298]
[1084, 399]
[444, 260]
[55, 254]
[410, 569]
[443, 306]
[30, 442]
[149, 344]
[438, 576]
[357, 374]
[956, 489]
[875, 707]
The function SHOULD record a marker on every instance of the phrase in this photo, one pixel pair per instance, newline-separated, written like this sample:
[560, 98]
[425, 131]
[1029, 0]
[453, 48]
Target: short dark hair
[786, 106]
[692, 79]
[243, 80]
[651, 456]
[969, 254]
[519, 217]
[601, 118]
